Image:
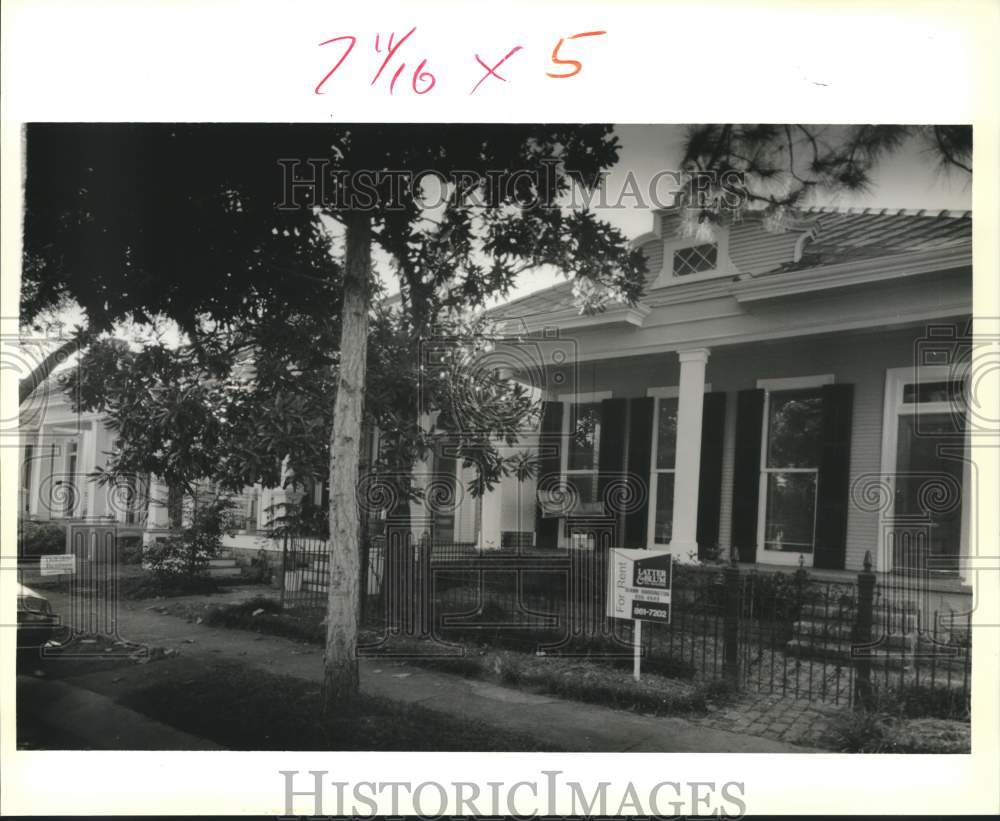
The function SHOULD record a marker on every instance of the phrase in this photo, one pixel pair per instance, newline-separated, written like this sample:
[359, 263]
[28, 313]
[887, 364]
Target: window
[793, 423]
[696, 259]
[583, 452]
[69, 482]
[661, 484]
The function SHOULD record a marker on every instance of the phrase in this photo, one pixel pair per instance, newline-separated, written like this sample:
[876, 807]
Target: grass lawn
[586, 675]
[247, 709]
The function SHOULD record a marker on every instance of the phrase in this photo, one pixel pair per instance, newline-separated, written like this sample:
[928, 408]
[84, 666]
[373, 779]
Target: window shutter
[611, 461]
[713, 424]
[639, 446]
[549, 448]
[834, 478]
[746, 472]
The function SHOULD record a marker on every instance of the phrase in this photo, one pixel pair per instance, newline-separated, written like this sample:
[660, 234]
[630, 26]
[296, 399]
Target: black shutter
[713, 423]
[746, 472]
[834, 477]
[611, 462]
[639, 446]
[549, 449]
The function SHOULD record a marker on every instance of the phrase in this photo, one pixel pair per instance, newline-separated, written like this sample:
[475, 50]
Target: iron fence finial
[867, 565]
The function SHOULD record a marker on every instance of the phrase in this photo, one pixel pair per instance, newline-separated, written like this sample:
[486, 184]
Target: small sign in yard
[57, 564]
[639, 587]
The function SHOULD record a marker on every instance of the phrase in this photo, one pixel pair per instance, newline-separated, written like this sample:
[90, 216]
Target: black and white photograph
[391, 436]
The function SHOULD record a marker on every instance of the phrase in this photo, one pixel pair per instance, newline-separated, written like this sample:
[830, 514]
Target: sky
[909, 178]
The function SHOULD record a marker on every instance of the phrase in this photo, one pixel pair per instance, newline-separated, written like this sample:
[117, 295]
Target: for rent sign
[639, 585]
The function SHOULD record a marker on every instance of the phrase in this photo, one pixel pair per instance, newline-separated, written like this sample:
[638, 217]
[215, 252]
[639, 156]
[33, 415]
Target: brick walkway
[780, 718]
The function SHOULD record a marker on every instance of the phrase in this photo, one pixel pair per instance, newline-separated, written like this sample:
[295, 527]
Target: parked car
[36, 623]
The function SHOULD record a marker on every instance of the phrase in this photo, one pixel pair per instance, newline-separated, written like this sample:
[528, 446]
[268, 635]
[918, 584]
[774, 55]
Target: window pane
[582, 489]
[932, 392]
[794, 426]
[695, 259]
[663, 523]
[585, 436]
[791, 506]
[666, 442]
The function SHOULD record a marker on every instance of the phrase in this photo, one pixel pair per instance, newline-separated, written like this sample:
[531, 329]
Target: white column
[489, 518]
[37, 466]
[158, 516]
[687, 468]
[87, 463]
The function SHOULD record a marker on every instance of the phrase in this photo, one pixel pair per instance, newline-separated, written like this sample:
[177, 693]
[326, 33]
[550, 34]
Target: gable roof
[829, 236]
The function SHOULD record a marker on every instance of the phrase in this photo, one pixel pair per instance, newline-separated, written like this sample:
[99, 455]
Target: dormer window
[696, 259]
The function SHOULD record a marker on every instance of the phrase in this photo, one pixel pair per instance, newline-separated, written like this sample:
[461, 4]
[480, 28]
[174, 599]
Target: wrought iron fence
[773, 633]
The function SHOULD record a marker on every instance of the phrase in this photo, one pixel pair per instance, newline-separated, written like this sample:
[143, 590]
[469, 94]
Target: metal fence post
[422, 590]
[731, 624]
[863, 635]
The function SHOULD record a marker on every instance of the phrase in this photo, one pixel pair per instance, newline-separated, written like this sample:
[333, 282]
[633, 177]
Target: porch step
[224, 568]
[315, 576]
[840, 652]
[830, 631]
[901, 619]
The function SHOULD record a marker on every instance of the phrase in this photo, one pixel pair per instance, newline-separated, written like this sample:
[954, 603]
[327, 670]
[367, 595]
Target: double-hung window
[790, 458]
[582, 453]
[580, 463]
[663, 457]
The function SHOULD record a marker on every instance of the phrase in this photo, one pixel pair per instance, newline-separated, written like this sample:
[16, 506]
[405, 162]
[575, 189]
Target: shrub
[923, 701]
[40, 538]
[861, 731]
[130, 550]
[188, 554]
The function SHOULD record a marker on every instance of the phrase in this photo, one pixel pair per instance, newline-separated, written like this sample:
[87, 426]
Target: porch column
[687, 467]
[37, 465]
[158, 516]
[87, 464]
[489, 518]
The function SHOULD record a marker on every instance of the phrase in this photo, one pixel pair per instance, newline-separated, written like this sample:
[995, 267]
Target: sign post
[639, 588]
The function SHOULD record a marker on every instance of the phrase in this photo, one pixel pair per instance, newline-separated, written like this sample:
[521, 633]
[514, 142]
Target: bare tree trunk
[340, 663]
[42, 370]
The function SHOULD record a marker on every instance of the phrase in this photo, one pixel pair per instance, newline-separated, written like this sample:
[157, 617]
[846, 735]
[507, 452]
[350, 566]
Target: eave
[849, 274]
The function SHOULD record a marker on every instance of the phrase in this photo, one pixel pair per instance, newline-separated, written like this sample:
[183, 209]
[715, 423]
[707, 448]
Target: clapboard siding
[754, 251]
[653, 251]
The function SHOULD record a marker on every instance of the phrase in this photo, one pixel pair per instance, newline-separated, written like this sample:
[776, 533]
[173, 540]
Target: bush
[922, 701]
[188, 554]
[130, 550]
[861, 731]
[40, 538]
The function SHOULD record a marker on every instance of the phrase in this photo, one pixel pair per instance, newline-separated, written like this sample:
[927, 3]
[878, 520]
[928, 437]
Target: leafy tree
[135, 222]
[180, 222]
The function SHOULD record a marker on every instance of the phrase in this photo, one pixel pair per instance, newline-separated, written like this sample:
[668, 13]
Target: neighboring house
[797, 397]
[59, 448]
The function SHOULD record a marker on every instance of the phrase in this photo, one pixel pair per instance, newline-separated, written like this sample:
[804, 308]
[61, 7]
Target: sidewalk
[95, 721]
[570, 725]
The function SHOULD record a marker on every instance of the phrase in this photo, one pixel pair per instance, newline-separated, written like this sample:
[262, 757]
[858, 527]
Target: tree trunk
[340, 663]
[42, 370]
